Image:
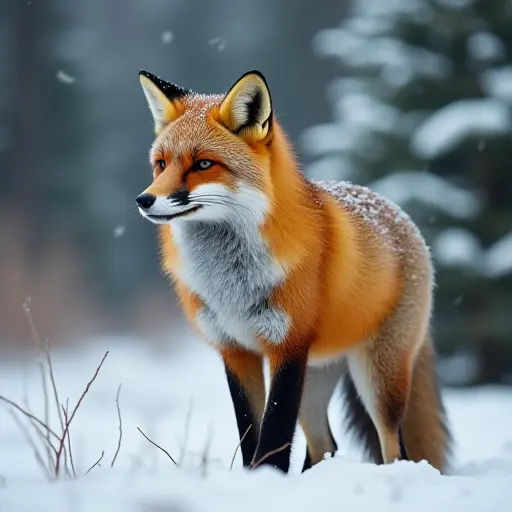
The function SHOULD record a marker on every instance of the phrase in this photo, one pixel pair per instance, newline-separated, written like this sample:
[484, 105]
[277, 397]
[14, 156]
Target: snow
[65, 78]
[498, 83]
[376, 211]
[455, 122]
[484, 46]
[119, 231]
[331, 168]
[218, 42]
[369, 26]
[163, 392]
[455, 4]
[462, 367]
[457, 246]
[498, 258]
[392, 8]
[392, 55]
[167, 37]
[408, 186]
[364, 112]
[328, 138]
[358, 116]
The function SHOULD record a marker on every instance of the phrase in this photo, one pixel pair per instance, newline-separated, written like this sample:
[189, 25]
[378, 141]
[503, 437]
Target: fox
[326, 282]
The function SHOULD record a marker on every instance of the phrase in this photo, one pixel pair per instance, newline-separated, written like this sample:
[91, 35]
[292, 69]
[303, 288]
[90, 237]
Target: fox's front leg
[283, 404]
[244, 372]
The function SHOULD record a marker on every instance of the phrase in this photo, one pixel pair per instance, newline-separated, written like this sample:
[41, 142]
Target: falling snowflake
[219, 43]
[458, 300]
[167, 37]
[64, 77]
[119, 231]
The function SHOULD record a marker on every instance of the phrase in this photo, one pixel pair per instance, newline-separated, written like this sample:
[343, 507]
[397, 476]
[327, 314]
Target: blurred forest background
[410, 97]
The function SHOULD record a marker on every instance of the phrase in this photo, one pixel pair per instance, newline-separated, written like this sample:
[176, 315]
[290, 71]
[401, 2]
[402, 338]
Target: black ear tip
[172, 91]
[253, 72]
[147, 74]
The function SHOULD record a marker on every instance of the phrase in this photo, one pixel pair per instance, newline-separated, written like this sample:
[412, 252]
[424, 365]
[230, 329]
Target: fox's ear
[247, 108]
[163, 98]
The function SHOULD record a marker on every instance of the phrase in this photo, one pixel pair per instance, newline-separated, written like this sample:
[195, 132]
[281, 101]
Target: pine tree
[422, 113]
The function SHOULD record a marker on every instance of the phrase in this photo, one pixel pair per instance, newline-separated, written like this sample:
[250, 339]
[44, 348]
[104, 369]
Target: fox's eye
[204, 164]
[161, 164]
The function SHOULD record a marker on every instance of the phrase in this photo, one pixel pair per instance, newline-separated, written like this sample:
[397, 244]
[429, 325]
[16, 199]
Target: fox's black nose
[145, 200]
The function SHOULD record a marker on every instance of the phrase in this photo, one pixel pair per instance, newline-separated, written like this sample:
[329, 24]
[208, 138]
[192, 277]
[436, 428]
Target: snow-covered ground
[181, 401]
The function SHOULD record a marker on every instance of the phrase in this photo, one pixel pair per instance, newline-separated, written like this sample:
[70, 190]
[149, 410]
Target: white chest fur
[231, 270]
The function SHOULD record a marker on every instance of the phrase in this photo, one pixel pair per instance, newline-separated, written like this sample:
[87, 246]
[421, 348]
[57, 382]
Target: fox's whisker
[220, 200]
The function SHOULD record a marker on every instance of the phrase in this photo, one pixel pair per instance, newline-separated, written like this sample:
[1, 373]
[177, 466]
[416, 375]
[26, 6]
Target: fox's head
[211, 156]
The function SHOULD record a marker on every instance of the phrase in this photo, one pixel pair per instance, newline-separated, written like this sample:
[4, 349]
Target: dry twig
[204, 455]
[68, 423]
[254, 465]
[238, 446]
[187, 430]
[158, 446]
[29, 415]
[65, 413]
[32, 444]
[37, 343]
[97, 463]
[54, 385]
[120, 427]
[42, 428]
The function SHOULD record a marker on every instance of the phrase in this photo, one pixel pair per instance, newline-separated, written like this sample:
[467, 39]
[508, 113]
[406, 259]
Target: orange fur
[248, 367]
[342, 281]
[351, 283]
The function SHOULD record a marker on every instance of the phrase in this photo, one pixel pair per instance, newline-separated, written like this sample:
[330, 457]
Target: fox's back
[376, 259]
[378, 217]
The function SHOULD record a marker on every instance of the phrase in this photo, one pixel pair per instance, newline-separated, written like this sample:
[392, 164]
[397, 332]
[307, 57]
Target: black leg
[403, 450]
[280, 418]
[245, 418]
[307, 461]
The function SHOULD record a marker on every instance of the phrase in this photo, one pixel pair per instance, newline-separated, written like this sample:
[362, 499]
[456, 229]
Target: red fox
[327, 282]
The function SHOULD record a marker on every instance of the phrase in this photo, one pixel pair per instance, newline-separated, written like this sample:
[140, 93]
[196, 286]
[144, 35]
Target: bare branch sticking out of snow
[65, 78]
[449, 126]
[158, 446]
[428, 188]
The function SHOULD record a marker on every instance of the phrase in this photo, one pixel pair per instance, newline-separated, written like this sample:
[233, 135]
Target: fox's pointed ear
[247, 107]
[163, 98]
